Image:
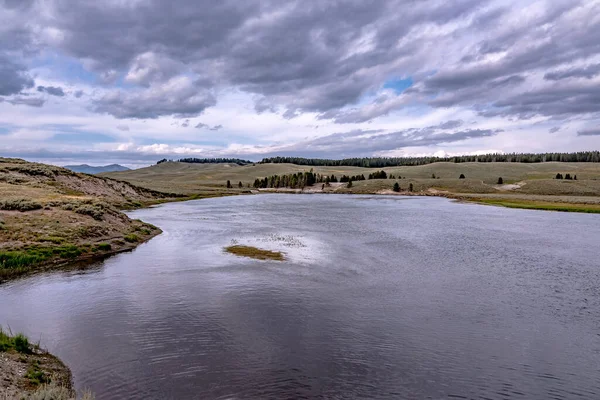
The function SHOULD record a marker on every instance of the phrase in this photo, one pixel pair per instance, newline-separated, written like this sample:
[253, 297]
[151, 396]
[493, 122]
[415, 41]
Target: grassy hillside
[49, 215]
[205, 178]
[481, 177]
[88, 169]
[523, 185]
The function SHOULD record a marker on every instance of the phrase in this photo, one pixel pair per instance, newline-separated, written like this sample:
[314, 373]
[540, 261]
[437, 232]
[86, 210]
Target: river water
[380, 297]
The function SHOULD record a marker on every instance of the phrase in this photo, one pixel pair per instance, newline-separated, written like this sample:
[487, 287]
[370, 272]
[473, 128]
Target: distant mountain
[88, 169]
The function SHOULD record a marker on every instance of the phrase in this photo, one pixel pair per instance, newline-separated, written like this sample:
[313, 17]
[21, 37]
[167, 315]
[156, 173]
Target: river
[380, 297]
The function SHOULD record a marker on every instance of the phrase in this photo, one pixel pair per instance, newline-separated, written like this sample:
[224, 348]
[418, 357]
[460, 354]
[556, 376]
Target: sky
[135, 81]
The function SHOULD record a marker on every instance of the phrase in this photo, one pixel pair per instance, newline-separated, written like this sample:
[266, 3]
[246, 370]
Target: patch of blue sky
[398, 85]
[71, 70]
[63, 67]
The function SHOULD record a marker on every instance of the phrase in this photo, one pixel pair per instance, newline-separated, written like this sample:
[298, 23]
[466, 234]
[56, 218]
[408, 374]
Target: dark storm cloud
[299, 55]
[13, 77]
[588, 72]
[449, 124]
[181, 99]
[322, 56]
[200, 125]
[589, 132]
[51, 90]
[361, 142]
[553, 101]
[16, 4]
[528, 50]
[27, 101]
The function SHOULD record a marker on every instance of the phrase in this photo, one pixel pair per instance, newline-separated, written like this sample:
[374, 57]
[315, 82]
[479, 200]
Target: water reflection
[380, 298]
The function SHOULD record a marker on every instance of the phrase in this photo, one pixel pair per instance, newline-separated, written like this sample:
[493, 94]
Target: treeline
[208, 161]
[294, 181]
[380, 162]
[302, 179]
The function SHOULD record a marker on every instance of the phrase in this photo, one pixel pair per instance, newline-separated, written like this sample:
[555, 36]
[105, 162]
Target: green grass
[36, 376]
[539, 205]
[52, 239]
[17, 260]
[203, 178]
[18, 342]
[254, 252]
[131, 238]
[21, 261]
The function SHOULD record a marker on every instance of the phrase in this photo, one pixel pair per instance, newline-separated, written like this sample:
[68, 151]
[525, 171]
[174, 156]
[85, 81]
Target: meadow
[526, 182]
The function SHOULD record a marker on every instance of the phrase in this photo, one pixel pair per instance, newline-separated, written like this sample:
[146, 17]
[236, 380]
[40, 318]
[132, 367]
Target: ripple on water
[379, 298]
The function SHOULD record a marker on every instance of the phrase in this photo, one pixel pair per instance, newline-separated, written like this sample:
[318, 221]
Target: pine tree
[240, 185]
[396, 187]
[349, 185]
[462, 176]
[500, 181]
[410, 187]
[229, 185]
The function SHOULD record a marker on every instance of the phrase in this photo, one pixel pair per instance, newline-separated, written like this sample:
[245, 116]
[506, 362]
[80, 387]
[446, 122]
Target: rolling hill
[530, 178]
[49, 215]
[88, 169]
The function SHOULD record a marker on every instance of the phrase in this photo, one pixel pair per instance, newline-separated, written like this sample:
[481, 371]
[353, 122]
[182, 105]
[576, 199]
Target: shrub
[19, 205]
[104, 246]
[349, 185]
[462, 176]
[131, 238]
[21, 343]
[52, 239]
[5, 341]
[500, 181]
[94, 211]
[69, 251]
[36, 376]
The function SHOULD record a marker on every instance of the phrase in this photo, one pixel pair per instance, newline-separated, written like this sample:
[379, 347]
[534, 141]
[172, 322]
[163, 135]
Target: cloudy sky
[132, 81]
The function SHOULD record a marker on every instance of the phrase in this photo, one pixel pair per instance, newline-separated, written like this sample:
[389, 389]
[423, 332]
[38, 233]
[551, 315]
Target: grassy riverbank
[540, 205]
[51, 216]
[29, 372]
